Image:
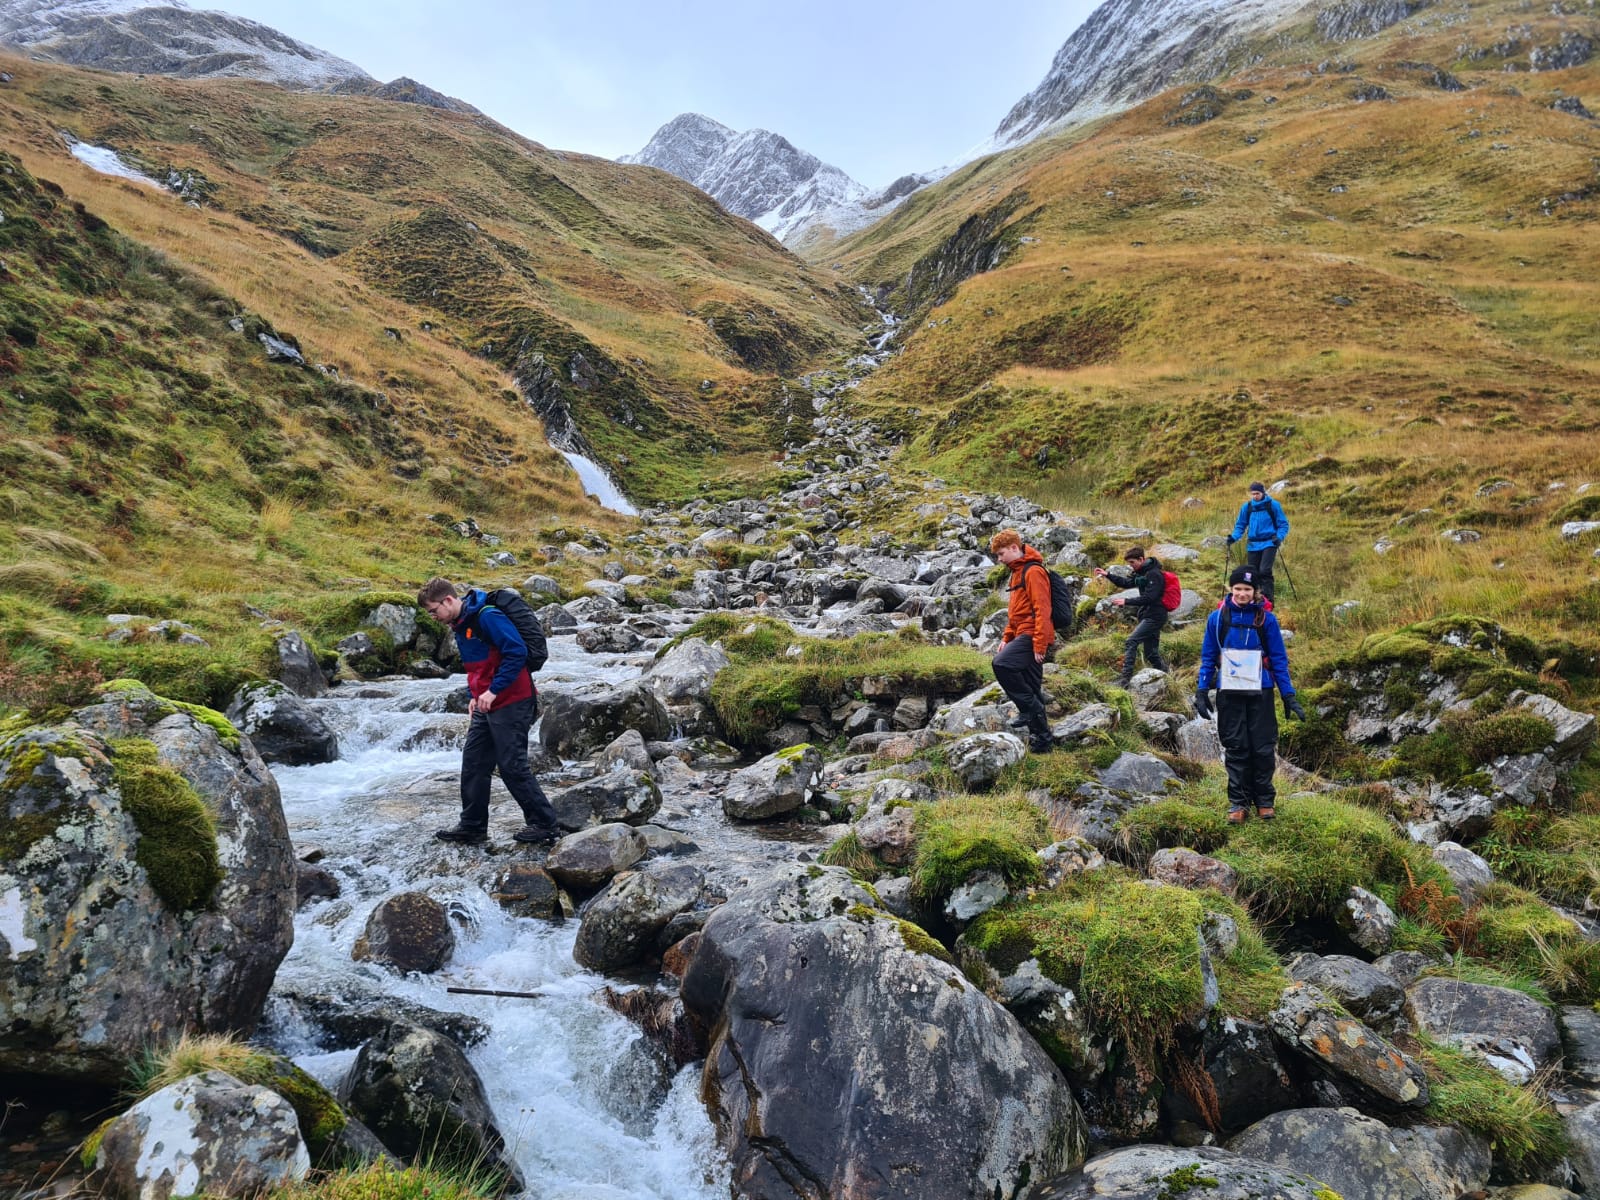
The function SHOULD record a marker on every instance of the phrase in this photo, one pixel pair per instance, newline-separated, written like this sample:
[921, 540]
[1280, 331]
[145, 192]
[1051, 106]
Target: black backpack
[520, 614]
[1062, 611]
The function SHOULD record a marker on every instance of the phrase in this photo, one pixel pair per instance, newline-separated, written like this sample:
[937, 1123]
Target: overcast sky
[877, 90]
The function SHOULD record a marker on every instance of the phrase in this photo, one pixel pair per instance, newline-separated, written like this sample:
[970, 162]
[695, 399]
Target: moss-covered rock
[177, 843]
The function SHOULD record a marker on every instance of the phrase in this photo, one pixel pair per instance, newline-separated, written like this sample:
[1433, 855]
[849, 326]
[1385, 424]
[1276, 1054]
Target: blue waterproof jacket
[1244, 634]
[493, 653]
[1262, 521]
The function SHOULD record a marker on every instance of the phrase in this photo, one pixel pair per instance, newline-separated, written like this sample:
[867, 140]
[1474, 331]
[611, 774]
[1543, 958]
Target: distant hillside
[635, 315]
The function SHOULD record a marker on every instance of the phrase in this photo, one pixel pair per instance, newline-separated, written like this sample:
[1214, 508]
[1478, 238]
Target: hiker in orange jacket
[1029, 634]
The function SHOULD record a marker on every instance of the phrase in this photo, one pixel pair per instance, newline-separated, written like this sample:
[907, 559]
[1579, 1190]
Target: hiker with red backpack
[1030, 632]
[1242, 655]
[1159, 593]
[500, 642]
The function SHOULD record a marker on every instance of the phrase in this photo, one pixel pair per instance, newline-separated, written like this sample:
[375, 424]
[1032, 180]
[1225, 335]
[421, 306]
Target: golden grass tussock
[62, 545]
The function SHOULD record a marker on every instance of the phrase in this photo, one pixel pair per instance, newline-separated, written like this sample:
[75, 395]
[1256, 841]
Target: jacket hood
[1029, 555]
[475, 599]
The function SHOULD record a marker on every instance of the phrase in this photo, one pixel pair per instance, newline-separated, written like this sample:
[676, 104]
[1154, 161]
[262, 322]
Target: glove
[1232, 539]
[1202, 704]
[1276, 542]
[1291, 708]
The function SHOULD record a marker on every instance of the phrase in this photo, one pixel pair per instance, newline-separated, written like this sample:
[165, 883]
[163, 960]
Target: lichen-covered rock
[813, 992]
[1088, 722]
[978, 760]
[1367, 921]
[1583, 1136]
[1468, 871]
[1361, 1158]
[621, 794]
[1170, 1172]
[585, 861]
[1198, 741]
[777, 784]
[1137, 775]
[1148, 687]
[1184, 868]
[620, 924]
[1363, 989]
[1344, 1049]
[1053, 1014]
[297, 666]
[1066, 858]
[1508, 1029]
[891, 835]
[416, 1090]
[681, 679]
[283, 727]
[1574, 731]
[575, 724]
[409, 932]
[974, 896]
[82, 887]
[208, 1134]
[1248, 1078]
[628, 749]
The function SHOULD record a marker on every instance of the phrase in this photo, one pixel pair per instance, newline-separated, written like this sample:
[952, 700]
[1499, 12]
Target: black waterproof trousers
[1247, 724]
[1260, 562]
[498, 739]
[1146, 633]
[1022, 679]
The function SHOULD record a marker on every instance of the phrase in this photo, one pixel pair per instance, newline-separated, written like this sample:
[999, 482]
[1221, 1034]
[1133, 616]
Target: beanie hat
[1243, 574]
[1258, 487]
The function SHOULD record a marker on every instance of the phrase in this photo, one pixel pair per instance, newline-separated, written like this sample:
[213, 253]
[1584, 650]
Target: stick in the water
[496, 992]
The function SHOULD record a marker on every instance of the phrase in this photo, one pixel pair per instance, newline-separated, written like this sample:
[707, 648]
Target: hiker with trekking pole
[1263, 526]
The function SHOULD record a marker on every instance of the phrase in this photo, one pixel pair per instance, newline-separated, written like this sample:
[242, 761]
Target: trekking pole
[1287, 578]
[464, 991]
[1227, 568]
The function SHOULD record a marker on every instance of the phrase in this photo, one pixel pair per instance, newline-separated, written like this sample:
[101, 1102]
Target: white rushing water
[108, 162]
[557, 1070]
[598, 484]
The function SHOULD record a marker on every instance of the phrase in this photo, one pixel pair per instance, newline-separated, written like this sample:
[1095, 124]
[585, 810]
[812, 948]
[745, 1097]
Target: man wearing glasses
[502, 709]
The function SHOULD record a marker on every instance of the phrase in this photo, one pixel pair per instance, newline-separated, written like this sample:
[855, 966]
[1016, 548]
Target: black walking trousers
[1021, 678]
[1261, 562]
[1146, 633]
[1247, 724]
[499, 739]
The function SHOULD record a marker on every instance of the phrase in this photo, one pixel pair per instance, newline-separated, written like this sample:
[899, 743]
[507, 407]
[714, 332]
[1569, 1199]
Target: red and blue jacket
[493, 653]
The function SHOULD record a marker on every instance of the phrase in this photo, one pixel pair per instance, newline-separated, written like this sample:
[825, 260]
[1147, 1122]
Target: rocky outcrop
[1509, 1030]
[80, 909]
[207, 1135]
[815, 993]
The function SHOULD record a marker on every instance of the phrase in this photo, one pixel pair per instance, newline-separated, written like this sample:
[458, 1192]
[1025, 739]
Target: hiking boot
[1019, 723]
[1236, 816]
[1265, 812]
[463, 834]
[532, 835]
[1122, 681]
[1041, 745]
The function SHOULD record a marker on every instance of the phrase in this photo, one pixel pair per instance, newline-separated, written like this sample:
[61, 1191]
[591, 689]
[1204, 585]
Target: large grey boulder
[1508, 1029]
[576, 724]
[282, 726]
[1367, 921]
[416, 1090]
[1138, 775]
[1198, 741]
[1364, 990]
[80, 919]
[777, 784]
[621, 923]
[1174, 1173]
[208, 1134]
[1361, 1158]
[1090, 721]
[1346, 1051]
[632, 797]
[399, 622]
[681, 679]
[587, 860]
[817, 999]
[1574, 731]
[1468, 871]
[977, 761]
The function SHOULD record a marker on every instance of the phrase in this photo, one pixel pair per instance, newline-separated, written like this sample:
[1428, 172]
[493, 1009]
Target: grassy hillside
[385, 234]
[1327, 269]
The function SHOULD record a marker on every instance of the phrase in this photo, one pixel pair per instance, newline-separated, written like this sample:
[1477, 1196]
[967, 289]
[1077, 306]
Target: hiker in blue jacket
[1264, 527]
[1242, 656]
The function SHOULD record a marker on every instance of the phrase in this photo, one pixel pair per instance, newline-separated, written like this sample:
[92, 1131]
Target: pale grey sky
[877, 90]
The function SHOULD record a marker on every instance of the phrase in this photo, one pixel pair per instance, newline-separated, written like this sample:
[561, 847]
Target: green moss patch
[965, 834]
[157, 707]
[384, 1181]
[177, 833]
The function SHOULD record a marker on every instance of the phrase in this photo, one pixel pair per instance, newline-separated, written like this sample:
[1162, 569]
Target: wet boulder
[1361, 1158]
[777, 784]
[416, 1090]
[525, 890]
[314, 882]
[587, 860]
[621, 923]
[609, 639]
[1247, 1076]
[1167, 1172]
[681, 679]
[576, 724]
[628, 749]
[298, 668]
[282, 726]
[813, 992]
[141, 842]
[408, 932]
[208, 1134]
[623, 795]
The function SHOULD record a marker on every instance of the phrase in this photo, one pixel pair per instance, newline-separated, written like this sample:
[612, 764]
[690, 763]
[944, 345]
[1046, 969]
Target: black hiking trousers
[1260, 561]
[498, 740]
[1146, 633]
[1247, 725]
[1021, 678]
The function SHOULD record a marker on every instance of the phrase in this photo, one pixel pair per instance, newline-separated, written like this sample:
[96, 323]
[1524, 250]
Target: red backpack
[1172, 594]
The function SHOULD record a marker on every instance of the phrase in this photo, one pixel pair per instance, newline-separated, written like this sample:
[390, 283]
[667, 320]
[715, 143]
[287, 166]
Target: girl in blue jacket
[1264, 527]
[1242, 656]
